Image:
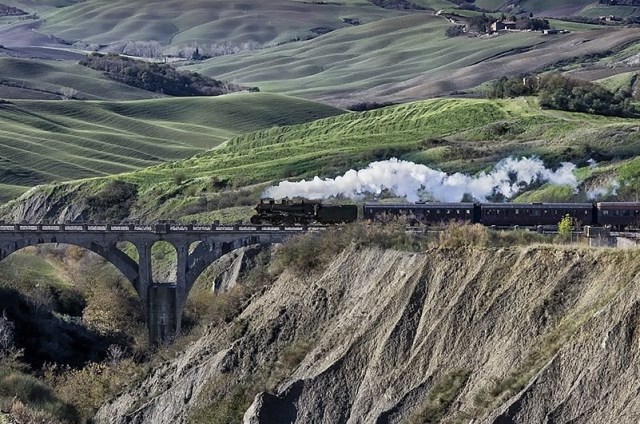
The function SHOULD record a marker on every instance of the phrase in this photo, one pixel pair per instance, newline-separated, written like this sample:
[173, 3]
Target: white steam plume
[610, 189]
[418, 182]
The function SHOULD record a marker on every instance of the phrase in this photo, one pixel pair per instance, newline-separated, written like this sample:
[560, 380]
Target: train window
[605, 212]
[517, 211]
[448, 211]
[536, 212]
[636, 213]
[627, 213]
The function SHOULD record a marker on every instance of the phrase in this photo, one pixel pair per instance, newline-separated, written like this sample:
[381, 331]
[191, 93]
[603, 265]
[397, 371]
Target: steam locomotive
[290, 213]
[618, 215]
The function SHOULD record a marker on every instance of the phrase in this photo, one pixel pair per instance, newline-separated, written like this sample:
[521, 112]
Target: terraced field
[44, 141]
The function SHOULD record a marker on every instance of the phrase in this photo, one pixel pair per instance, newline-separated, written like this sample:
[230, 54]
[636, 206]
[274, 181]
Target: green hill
[44, 141]
[449, 134]
[46, 79]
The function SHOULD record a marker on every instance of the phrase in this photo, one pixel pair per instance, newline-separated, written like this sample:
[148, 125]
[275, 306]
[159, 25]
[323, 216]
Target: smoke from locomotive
[417, 182]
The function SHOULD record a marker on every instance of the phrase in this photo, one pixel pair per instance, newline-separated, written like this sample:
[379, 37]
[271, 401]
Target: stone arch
[127, 266]
[208, 252]
[163, 252]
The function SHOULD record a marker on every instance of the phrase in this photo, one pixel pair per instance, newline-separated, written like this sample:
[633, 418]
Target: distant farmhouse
[503, 26]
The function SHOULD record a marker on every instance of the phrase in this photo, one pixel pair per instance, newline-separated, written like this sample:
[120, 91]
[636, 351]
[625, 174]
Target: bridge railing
[154, 228]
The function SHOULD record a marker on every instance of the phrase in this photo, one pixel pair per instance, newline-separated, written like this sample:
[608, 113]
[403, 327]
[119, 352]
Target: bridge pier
[163, 314]
[162, 302]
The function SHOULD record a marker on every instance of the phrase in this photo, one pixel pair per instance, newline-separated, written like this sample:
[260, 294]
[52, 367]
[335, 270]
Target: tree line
[159, 77]
[556, 91]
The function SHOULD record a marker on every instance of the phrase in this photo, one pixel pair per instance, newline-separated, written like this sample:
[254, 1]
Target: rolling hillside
[339, 53]
[205, 21]
[406, 58]
[46, 79]
[359, 52]
[449, 134]
[44, 141]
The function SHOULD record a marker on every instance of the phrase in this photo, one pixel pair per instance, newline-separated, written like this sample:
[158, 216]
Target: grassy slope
[402, 59]
[596, 10]
[25, 78]
[45, 141]
[476, 134]
[451, 134]
[390, 51]
[203, 21]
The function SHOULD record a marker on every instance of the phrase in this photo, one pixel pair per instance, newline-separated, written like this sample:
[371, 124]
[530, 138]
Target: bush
[440, 398]
[88, 388]
[368, 105]
[559, 92]
[455, 235]
[113, 202]
[31, 400]
[455, 31]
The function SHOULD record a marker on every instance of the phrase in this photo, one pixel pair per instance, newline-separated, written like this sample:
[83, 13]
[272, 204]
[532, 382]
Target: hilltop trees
[159, 77]
[556, 91]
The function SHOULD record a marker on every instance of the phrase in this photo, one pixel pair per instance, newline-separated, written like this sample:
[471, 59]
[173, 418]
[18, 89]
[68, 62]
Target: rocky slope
[522, 335]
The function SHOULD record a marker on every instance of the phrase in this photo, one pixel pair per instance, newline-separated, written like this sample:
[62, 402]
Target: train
[616, 215]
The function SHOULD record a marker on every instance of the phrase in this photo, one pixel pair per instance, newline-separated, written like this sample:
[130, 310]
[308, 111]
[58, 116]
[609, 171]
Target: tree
[565, 227]
[68, 93]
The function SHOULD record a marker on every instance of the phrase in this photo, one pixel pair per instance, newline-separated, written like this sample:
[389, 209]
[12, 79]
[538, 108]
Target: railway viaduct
[197, 247]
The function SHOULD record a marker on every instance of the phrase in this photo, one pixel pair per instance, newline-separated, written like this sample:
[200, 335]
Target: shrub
[440, 398]
[22, 414]
[6, 335]
[455, 31]
[88, 388]
[33, 401]
[113, 202]
[368, 105]
[179, 177]
[455, 235]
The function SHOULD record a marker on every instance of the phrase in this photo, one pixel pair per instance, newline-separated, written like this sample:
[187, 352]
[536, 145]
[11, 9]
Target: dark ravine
[530, 334]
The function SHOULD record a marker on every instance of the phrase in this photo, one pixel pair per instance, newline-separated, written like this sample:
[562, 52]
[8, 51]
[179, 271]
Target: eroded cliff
[527, 334]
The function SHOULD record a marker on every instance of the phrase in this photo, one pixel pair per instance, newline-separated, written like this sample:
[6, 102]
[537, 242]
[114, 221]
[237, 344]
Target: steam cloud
[418, 182]
[608, 190]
